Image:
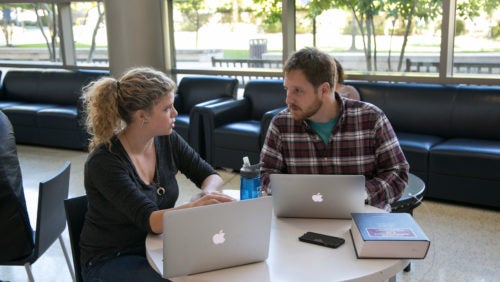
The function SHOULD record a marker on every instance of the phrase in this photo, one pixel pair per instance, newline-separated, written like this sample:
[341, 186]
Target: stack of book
[388, 235]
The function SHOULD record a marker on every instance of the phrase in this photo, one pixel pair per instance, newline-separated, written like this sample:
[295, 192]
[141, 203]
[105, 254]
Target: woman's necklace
[160, 191]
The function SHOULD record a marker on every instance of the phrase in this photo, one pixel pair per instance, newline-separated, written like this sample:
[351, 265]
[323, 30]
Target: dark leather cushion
[440, 110]
[416, 148]
[182, 122]
[411, 107]
[466, 158]
[6, 104]
[52, 87]
[17, 236]
[238, 136]
[264, 95]
[25, 113]
[476, 191]
[59, 117]
[476, 113]
[197, 89]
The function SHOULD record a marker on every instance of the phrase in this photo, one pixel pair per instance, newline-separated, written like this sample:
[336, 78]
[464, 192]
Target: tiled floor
[465, 242]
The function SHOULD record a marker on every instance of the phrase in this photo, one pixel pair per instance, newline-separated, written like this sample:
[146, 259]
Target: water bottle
[250, 180]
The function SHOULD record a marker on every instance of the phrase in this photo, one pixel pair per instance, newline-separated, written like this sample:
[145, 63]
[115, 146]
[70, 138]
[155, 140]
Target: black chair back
[51, 221]
[196, 91]
[76, 208]
[193, 90]
[264, 95]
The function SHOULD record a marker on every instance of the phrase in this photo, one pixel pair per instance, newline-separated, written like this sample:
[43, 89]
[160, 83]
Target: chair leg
[27, 266]
[408, 267]
[66, 256]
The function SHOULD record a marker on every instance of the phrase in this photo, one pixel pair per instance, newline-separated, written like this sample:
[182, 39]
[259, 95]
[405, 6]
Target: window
[450, 41]
[89, 30]
[477, 39]
[51, 34]
[231, 32]
[373, 37]
[29, 33]
[226, 35]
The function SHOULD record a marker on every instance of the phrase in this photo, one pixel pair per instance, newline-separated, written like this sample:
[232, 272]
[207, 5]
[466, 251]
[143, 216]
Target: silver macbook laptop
[317, 195]
[216, 236]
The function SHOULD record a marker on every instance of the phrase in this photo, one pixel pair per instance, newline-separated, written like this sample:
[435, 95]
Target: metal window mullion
[168, 23]
[447, 39]
[288, 28]
[68, 52]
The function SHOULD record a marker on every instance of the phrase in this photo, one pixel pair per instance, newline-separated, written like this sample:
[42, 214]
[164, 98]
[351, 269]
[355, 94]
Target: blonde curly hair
[110, 102]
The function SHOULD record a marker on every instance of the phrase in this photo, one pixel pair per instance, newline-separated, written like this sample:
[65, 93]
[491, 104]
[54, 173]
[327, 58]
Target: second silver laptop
[317, 195]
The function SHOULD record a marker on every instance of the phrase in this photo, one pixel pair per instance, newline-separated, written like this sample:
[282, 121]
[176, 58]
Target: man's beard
[302, 114]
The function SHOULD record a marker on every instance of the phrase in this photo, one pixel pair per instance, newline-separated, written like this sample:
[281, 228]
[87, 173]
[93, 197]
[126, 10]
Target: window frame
[444, 76]
[67, 45]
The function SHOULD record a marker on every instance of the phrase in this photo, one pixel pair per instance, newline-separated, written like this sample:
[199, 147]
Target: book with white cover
[388, 235]
[216, 236]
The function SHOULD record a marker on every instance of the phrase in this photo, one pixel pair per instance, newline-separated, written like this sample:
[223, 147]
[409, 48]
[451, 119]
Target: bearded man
[324, 133]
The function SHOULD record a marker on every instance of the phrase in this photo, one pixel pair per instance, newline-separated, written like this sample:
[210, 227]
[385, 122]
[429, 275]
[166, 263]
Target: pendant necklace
[160, 191]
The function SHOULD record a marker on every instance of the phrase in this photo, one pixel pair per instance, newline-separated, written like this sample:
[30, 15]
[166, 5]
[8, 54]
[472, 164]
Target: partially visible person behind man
[345, 90]
[323, 133]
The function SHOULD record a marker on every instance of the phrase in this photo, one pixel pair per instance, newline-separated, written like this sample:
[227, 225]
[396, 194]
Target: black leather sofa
[450, 135]
[44, 106]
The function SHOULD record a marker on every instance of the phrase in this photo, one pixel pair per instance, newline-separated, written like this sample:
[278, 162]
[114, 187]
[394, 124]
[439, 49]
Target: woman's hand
[156, 218]
[212, 198]
[210, 195]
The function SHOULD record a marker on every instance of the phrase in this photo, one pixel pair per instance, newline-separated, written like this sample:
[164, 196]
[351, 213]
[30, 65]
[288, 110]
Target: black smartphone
[322, 239]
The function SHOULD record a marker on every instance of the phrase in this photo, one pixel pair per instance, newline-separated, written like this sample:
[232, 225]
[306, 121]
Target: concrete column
[68, 51]
[288, 20]
[136, 35]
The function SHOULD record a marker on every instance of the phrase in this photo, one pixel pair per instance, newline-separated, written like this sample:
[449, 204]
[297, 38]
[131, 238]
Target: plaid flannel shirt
[362, 142]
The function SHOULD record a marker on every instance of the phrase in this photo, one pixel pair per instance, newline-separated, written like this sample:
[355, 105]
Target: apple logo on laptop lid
[317, 198]
[219, 238]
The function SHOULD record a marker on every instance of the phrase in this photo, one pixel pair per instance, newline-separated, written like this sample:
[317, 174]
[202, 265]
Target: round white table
[292, 260]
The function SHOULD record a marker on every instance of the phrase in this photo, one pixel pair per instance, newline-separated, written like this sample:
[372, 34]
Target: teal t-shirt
[323, 129]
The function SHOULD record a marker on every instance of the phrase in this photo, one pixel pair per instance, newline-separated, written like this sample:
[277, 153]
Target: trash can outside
[257, 48]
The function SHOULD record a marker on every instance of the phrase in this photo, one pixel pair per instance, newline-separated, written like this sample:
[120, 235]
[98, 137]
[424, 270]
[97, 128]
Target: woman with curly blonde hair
[130, 173]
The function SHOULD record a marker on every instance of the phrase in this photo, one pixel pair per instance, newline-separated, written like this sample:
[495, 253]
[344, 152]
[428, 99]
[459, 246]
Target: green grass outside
[236, 54]
[42, 45]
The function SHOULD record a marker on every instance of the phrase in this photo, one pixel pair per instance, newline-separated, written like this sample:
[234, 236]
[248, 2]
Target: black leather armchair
[237, 128]
[199, 90]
